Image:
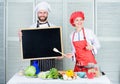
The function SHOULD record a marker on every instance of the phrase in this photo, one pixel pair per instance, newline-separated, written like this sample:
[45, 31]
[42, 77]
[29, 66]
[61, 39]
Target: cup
[90, 75]
[81, 74]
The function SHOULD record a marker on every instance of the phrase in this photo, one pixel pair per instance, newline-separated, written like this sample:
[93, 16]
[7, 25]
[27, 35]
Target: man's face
[42, 15]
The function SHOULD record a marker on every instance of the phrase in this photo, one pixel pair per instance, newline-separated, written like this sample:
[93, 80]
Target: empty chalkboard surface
[38, 43]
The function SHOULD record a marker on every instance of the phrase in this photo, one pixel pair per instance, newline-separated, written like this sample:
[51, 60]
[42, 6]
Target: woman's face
[78, 22]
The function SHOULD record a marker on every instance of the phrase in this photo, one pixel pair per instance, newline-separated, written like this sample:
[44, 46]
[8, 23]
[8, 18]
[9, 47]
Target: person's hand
[59, 57]
[20, 35]
[69, 55]
[91, 65]
[89, 47]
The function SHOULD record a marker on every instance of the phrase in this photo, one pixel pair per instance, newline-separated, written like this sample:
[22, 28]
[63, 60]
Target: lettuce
[30, 71]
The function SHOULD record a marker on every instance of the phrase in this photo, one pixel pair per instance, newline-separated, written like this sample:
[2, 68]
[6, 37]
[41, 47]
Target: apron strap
[83, 34]
[48, 24]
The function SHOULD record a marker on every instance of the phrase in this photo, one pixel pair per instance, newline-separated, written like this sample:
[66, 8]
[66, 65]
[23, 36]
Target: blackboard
[38, 43]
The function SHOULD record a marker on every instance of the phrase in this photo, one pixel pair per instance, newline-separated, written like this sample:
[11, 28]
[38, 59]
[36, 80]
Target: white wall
[2, 43]
[108, 31]
[19, 14]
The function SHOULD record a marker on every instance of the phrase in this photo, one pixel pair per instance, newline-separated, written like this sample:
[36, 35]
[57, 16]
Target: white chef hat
[43, 6]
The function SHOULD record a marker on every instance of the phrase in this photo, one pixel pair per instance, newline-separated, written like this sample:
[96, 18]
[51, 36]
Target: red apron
[83, 56]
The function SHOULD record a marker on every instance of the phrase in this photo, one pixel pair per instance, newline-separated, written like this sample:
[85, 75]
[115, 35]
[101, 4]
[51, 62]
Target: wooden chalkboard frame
[29, 40]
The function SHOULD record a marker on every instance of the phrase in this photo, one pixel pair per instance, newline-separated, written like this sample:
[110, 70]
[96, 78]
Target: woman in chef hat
[84, 43]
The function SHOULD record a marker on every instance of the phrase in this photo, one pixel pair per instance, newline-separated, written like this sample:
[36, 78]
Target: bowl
[81, 74]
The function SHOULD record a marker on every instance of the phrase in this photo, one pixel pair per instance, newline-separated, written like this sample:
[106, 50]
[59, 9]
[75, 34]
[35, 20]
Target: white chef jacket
[90, 37]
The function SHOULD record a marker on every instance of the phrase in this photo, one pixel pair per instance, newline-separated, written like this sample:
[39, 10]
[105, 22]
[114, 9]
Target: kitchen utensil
[56, 50]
